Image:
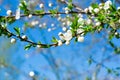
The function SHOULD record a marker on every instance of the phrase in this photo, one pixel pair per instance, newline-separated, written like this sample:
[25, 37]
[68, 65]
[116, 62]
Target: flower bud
[24, 37]
[13, 40]
[9, 12]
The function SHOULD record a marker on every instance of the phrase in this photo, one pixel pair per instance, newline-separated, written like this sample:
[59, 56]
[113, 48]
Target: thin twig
[45, 13]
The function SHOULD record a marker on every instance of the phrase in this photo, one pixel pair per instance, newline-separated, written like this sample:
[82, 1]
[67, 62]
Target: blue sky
[71, 60]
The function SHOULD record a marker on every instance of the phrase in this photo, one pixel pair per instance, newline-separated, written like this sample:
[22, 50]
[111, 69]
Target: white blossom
[60, 33]
[67, 42]
[40, 25]
[68, 23]
[88, 21]
[86, 10]
[80, 15]
[67, 12]
[13, 40]
[49, 29]
[59, 43]
[41, 5]
[44, 24]
[31, 73]
[119, 20]
[9, 12]
[106, 7]
[34, 23]
[50, 4]
[17, 16]
[63, 23]
[96, 10]
[30, 15]
[80, 20]
[80, 39]
[66, 9]
[59, 18]
[68, 35]
[38, 46]
[61, 36]
[24, 37]
[79, 31]
[90, 9]
[52, 25]
[116, 33]
[98, 23]
[107, 4]
[64, 28]
[101, 6]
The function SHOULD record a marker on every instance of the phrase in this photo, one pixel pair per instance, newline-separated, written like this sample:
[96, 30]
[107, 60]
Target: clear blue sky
[72, 60]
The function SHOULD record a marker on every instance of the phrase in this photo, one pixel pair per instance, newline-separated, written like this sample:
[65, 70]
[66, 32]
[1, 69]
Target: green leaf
[109, 70]
[112, 44]
[70, 1]
[117, 50]
[89, 61]
[39, 42]
[2, 19]
[10, 20]
[26, 24]
[76, 39]
[75, 24]
[101, 17]
[111, 34]
[23, 7]
[70, 6]
[54, 11]
[41, 12]
[113, 8]
[17, 30]
[54, 40]
[94, 5]
[27, 47]
[88, 28]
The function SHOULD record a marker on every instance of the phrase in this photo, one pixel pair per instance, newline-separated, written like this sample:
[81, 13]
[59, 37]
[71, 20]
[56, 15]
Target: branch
[45, 13]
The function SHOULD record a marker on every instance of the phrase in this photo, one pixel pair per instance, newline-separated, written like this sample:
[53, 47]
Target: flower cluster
[94, 21]
[67, 10]
[66, 36]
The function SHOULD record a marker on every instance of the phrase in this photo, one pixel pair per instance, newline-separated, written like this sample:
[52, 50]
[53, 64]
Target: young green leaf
[27, 47]
[17, 30]
[54, 40]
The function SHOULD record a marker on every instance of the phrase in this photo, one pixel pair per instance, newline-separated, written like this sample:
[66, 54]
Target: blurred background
[94, 59]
